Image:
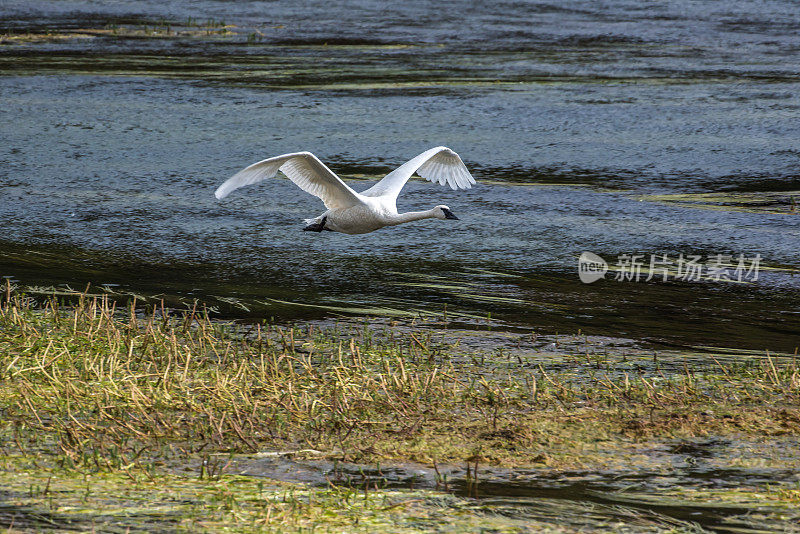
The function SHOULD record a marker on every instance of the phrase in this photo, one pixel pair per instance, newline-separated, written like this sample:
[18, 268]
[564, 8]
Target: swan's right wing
[438, 164]
[302, 168]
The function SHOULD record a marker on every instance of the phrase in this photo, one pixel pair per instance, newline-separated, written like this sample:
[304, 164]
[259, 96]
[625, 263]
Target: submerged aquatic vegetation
[781, 202]
[135, 502]
[144, 29]
[95, 391]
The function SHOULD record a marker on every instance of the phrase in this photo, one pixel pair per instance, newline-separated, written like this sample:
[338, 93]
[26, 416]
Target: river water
[618, 128]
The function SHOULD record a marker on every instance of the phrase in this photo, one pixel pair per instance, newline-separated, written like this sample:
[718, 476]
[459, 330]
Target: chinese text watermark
[663, 267]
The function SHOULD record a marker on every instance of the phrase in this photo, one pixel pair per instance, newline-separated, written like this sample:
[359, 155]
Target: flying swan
[350, 212]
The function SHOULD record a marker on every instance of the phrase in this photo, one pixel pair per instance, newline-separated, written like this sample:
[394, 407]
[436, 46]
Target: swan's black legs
[317, 227]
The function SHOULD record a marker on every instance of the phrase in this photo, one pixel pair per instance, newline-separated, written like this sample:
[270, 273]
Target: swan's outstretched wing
[305, 170]
[438, 164]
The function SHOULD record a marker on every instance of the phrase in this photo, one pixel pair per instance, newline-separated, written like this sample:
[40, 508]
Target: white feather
[350, 212]
[438, 164]
[302, 168]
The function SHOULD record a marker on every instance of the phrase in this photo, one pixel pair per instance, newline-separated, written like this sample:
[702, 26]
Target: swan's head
[443, 212]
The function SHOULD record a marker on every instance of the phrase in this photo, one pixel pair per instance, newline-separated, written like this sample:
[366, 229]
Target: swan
[350, 212]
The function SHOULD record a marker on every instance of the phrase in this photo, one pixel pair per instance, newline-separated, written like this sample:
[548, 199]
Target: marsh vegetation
[122, 416]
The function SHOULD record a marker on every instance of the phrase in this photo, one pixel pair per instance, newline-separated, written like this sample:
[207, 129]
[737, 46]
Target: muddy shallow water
[657, 492]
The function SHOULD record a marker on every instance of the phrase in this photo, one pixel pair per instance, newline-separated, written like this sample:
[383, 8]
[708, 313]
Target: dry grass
[107, 387]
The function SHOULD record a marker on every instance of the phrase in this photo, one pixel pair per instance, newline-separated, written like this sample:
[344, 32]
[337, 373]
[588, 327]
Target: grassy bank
[125, 416]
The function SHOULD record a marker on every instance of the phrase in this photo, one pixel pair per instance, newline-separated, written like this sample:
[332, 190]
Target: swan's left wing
[438, 164]
[302, 168]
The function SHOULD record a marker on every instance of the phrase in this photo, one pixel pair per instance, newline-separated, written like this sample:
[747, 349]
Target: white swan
[358, 213]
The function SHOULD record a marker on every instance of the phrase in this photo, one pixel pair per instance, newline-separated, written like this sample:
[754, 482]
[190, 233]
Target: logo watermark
[591, 267]
[662, 267]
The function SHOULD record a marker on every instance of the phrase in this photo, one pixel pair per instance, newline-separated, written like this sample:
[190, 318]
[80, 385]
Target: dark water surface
[611, 127]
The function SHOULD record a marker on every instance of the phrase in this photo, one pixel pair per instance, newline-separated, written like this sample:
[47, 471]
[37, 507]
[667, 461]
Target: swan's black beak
[449, 214]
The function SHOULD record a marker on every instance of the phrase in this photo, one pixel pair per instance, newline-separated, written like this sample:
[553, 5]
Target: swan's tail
[315, 220]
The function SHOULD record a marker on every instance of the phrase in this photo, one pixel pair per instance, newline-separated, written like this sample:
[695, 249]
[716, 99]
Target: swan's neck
[401, 218]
